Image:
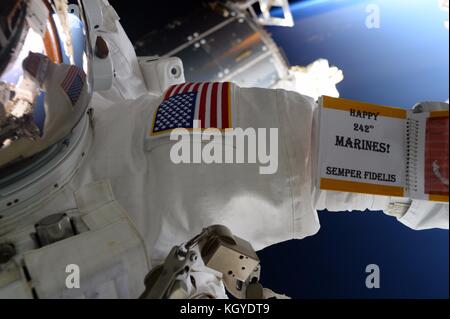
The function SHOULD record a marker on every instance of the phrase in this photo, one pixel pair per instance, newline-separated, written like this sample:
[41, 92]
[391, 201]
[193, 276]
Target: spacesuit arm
[303, 157]
[425, 215]
[416, 214]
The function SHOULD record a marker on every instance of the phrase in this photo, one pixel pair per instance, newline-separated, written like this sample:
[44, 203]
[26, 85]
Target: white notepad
[374, 149]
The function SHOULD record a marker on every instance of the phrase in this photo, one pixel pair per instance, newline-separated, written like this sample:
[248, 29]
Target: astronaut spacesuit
[125, 203]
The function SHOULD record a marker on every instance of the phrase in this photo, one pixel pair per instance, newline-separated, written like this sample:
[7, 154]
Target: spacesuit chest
[59, 265]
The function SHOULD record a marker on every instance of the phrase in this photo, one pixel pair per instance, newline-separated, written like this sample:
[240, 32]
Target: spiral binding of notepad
[412, 144]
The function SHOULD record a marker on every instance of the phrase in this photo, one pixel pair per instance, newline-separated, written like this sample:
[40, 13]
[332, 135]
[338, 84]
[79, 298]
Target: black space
[140, 17]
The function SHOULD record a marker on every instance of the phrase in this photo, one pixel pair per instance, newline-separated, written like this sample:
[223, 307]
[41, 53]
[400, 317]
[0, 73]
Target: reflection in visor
[17, 119]
[14, 73]
[55, 36]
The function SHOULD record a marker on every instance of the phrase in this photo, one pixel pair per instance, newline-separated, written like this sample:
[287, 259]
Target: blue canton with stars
[176, 112]
[75, 89]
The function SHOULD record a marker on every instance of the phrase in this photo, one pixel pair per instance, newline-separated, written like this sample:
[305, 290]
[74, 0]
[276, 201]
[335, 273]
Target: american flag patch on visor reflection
[209, 103]
[73, 83]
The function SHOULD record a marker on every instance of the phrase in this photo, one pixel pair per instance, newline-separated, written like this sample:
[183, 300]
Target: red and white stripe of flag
[70, 76]
[213, 103]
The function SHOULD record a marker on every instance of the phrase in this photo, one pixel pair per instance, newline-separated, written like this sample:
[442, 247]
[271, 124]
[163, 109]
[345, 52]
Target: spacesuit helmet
[45, 82]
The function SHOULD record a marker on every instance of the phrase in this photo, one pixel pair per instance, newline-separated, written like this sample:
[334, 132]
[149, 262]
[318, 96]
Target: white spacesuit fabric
[111, 255]
[426, 215]
[171, 202]
[108, 255]
[128, 82]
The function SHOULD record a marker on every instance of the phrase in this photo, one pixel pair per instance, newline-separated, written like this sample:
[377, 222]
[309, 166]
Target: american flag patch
[209, 103]
[36, 65]
[73, 83]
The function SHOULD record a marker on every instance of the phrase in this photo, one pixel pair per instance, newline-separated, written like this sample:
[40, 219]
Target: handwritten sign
[361, 147]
